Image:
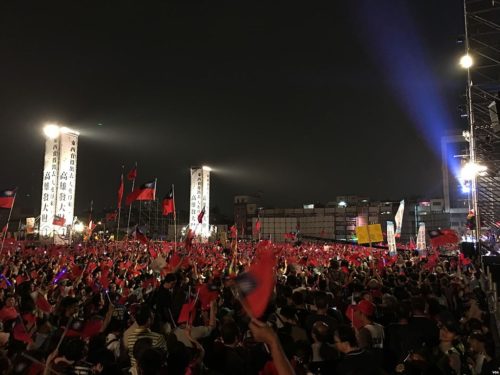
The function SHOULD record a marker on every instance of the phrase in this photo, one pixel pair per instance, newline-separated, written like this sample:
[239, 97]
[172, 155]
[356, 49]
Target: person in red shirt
[9, 312]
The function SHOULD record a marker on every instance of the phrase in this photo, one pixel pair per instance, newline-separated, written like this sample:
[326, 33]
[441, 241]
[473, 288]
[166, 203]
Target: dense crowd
[162, 308]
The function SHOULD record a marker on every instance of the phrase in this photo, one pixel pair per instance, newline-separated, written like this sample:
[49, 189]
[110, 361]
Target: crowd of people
[165, 308]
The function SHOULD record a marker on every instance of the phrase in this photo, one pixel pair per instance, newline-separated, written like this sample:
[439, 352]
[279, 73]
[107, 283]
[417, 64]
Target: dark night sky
[283, 97]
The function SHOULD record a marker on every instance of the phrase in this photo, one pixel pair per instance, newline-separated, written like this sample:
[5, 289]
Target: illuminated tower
[200, 201]
[59, 182]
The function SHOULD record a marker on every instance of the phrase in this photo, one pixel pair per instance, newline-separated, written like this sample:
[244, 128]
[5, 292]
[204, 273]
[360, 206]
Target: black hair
[229, 332]
[143, 314]
[346, 333]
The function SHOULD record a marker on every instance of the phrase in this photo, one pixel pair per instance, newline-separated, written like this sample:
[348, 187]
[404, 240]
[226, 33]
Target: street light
[206, 168]
[466, 61]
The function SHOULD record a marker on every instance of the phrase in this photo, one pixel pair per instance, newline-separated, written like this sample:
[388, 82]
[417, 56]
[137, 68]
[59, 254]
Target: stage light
[206, 168]
[466, 61]
[79, 227]
[68, 130]
[471, 170]
[51, 131]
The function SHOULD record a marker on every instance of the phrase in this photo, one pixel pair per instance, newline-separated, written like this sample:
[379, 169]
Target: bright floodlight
[471, 170]
[79, 227]
[342, 204]
[466, 61]
[206, 168]
[51, 131]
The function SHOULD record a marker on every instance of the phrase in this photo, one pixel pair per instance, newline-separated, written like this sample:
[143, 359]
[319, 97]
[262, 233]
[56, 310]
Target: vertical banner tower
[59, 182]
[200, 201]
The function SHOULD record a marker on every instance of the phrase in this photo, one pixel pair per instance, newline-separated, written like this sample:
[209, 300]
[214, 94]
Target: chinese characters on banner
[199, 199]
[59, 182]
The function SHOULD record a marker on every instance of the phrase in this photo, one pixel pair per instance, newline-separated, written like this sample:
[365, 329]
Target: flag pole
[130, 207]
[119, 208]
[8, 220]
[175, 220]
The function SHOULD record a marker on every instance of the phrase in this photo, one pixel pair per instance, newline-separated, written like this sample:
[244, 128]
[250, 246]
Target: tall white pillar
[199, 200]
[59, 181]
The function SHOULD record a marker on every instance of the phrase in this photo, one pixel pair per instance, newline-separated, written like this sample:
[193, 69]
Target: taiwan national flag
[441, 237]
[140, 236]
[257, 226]
[111, 216]
[257, 284]
[168, 204]
[120, 193]
[7, 198]
[146, 192]
[59, 220]
[132, 174]
[200, 215]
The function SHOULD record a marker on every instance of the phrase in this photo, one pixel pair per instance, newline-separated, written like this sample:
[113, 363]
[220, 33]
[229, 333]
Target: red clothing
[8, 313]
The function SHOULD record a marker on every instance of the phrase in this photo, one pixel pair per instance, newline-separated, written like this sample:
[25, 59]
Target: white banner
[49, 186]
[66, 183]
[391, 238]
[421, 245]
[399, 218]
[200, 199]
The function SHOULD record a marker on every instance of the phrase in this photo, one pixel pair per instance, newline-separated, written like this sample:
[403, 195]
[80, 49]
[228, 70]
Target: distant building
[338, 219]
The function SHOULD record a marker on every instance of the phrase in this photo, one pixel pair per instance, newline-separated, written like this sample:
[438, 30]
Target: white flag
[391, 238]
[399, 218]
[421, 237]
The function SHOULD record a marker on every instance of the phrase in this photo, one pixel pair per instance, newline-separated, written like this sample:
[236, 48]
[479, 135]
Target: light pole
[467, 62]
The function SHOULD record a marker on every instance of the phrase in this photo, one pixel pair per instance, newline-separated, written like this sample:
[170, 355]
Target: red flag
[120, 192]
[168, 204]
[111, 216]
[146, 192]
[132, 174]
[187, 313]
[234, 231]
[441, 237]
[207, 294]
[7, 198]
[140, 236]
[257, 226]
[200, 215]
[59, 220]
[43, 304]
[256, 285]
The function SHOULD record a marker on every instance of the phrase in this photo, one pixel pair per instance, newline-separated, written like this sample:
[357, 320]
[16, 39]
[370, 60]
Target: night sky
[300, 101]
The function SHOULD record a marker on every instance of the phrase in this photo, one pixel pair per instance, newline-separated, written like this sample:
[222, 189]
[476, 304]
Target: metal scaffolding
[482, 44]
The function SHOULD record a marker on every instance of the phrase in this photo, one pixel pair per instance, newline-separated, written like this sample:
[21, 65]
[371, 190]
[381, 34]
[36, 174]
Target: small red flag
[111, 216]
[234, 231]
[200, 215]
[132, 174]
[257, 226]
[140, 236]
[120, 192]
[43, 304]
[188, 312]
[7, 198]
[168, 204]
[256, 285]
